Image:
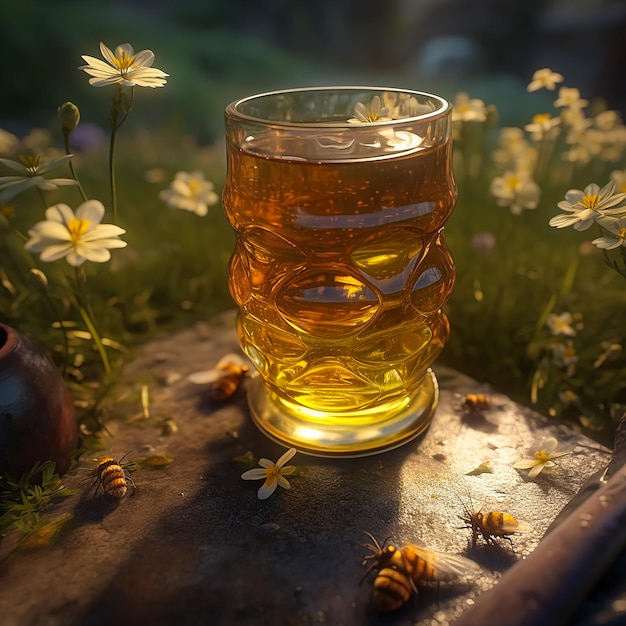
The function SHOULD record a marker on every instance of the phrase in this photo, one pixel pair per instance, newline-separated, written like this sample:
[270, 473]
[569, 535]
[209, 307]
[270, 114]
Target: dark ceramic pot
[37, 418]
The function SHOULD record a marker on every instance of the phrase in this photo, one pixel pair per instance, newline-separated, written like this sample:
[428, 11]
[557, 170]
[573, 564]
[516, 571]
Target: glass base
[343, 435]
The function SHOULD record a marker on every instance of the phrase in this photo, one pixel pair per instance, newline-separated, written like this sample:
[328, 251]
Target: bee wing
[222, 369]
[207, 376]
[447, 566]
[512, 525]
[230, 359]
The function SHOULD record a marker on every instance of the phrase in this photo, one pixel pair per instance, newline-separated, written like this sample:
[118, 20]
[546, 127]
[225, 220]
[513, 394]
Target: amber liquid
[340, 271]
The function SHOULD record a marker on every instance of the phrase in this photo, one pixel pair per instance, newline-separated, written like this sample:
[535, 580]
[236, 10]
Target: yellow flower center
[568, 353]
[542, 457]
[272, 472]
[622, 233]
[31, 163]
[124, 62]
[590, 201]
[541, 117]
[194, 187]
[77, 229]
[513, 182]
[372, 117]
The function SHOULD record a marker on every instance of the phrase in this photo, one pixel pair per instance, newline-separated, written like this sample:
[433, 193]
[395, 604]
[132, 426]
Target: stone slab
[192, 544]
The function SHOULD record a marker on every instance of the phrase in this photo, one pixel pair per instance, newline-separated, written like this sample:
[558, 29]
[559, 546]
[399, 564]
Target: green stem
[122, 106]
[112, 174]
[66, 137]
[543, 170]
[43, 198]
[85, 313]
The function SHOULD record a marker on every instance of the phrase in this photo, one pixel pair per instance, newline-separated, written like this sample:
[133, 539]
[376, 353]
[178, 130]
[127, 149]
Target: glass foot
[360, 433]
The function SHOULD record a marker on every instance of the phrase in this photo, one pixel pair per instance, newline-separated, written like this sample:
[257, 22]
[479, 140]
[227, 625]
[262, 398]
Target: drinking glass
[338, 198]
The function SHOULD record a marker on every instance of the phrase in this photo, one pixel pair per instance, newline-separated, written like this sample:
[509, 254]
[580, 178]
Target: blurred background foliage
[218, 50]
[174, 269]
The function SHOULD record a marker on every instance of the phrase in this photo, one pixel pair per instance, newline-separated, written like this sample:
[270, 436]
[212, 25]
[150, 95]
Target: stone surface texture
[192, 544]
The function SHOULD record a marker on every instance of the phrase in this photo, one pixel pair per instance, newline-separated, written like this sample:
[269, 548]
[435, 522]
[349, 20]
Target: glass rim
[232, 110]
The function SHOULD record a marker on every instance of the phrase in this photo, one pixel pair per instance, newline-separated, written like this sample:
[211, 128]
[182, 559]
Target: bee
[475, 402]
[493, 525]
[399, 570]
[113, 477]
[224, 379]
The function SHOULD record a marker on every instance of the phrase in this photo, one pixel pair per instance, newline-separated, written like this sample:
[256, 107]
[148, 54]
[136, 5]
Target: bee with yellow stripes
[493, 525]
[399, 570]
[113, 477]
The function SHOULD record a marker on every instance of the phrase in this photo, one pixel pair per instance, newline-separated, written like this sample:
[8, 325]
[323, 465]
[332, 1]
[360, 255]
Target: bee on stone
[113, 477]
[400, 570]
[475, 402]
[493, 525]
[224, 379]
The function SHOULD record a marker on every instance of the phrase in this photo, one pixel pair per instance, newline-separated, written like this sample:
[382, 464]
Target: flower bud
[69, 116]
[39, 278]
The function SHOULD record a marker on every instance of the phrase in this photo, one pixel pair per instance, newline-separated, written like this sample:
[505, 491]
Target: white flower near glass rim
[544, 78]
[543, 126]
[583, 207]
[189, 191]
[30, 174]
[468, 109]
[272, 473]
[367, 114]
[123, 67]
[570, 97]
[78, 237]
[512, 142]
[515, 190]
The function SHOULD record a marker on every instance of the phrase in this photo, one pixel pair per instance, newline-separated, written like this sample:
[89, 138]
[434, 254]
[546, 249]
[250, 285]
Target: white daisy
[78, 237]
[124, 67]
[544, 78]
[582, 207]
[30, 174]
[190, 192]
[273, 474]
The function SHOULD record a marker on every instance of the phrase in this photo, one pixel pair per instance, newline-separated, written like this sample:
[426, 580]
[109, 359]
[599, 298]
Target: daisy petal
[287, 456]
[283, 482]
[97, 255]
[254, 474]
[550, 444]
[524, 464]
[91, 210]
[52, 253]
[267, 490]
[60, 213]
